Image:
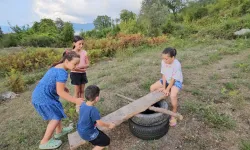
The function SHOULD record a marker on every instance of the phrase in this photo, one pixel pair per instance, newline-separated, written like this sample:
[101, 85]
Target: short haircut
[91, 92]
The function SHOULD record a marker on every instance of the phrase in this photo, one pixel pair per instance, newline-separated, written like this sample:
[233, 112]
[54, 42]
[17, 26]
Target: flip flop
[173, 122]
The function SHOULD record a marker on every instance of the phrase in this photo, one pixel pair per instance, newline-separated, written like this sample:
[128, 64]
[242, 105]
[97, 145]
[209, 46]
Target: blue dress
[45, 98]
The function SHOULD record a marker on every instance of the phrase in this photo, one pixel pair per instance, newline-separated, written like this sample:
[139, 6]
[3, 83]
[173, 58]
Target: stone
[242, 32]
[8, 95]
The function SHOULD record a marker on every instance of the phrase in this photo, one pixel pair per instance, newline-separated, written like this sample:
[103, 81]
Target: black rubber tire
[152, 119]
[149, 133]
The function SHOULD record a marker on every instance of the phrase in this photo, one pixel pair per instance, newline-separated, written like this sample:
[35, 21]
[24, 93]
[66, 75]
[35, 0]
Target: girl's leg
[77, 95]
[49, 131]
[156, 86]
[98, 148]
[59, 127]
[173, 97]
[77, 91]
[82, 91]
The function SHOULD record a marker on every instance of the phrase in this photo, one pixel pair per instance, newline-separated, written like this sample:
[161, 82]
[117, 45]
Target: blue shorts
[178, 84]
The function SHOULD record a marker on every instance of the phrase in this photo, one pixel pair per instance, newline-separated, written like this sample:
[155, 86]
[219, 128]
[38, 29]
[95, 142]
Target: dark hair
[66, 51]
[170, 51]
[67, 56]
[77, 38]
[91, 92]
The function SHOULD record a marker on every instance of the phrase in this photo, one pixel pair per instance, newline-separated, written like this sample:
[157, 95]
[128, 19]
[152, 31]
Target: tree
[152, 16]
[67, 33]
[1, 33]
[102, 22]
[35, 26]
[174, 5]
[126, 15]
[59, 24]
[48, 26]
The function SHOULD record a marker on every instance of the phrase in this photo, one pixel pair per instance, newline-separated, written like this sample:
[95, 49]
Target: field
[215, 100]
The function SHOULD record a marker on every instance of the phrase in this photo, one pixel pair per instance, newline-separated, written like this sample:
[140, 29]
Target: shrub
[15, 81]
[38, 41]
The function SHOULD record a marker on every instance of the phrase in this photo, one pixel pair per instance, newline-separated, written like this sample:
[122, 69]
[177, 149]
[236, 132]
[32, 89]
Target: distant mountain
[77, 27]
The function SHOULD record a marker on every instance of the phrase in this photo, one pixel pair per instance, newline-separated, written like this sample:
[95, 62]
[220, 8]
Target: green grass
[230, 86]
[245, 145]
[209, 114]
[131, 73]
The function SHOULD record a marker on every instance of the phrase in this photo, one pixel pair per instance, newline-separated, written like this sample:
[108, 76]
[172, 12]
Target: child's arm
[104, 124]
[63, 94]
[85, 64]
[167, 91]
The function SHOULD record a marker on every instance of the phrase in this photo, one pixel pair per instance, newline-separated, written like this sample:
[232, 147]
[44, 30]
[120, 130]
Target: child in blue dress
[45, 99]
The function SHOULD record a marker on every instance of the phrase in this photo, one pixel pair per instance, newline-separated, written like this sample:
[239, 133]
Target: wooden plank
[156, 109]
[121, 115]
[165, 111]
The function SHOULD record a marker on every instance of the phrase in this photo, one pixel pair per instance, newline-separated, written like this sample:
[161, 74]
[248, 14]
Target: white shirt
[172, 71]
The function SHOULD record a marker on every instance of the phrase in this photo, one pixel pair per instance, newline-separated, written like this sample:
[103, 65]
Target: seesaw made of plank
[121, 115]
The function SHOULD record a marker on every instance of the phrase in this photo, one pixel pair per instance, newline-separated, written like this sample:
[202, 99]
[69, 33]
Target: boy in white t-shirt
[171, 81]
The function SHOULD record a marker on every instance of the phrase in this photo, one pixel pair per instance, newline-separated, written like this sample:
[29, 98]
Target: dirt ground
[212, 78]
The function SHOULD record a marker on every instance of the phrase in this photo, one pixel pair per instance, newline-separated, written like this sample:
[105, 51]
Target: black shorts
[101, 140]
[78, 78]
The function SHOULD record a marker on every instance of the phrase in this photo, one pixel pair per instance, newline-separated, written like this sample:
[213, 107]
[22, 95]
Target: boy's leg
[49, 131]
[157, 85]
[98, 148]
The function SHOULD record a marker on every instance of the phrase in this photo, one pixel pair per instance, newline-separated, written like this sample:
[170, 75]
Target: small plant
[196, 92]
[230, 86]
[214, 77]
[245, 145]
[209, 114]
[245, 67]
[15, 81]
[146, 84]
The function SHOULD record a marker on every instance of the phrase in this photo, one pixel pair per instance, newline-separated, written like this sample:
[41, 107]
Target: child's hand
[160, 90]
[166, 92]
[79, 101]
[111, 125]
[66, 89]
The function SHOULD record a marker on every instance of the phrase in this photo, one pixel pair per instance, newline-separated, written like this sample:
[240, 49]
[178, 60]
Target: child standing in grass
[78, 75]
[45, 99]
[171, 81]
[89, 117]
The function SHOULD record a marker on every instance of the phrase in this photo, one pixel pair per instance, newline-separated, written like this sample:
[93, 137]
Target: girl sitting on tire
[172, 79]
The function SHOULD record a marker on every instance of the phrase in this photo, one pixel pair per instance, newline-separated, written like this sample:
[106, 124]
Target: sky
[22, 12]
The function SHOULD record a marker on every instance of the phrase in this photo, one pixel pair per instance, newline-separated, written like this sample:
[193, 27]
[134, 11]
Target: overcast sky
[21, 12]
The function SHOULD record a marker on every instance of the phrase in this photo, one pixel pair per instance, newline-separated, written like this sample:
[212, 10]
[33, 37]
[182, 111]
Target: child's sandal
[173, 122]
[65, 131]
[51, 144]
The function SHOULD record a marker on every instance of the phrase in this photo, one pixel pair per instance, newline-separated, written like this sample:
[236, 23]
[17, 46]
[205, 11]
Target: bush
[38, 41]
[200, 12]
[28, 60]
[245, 7]
[15, 81]
[10, 40]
